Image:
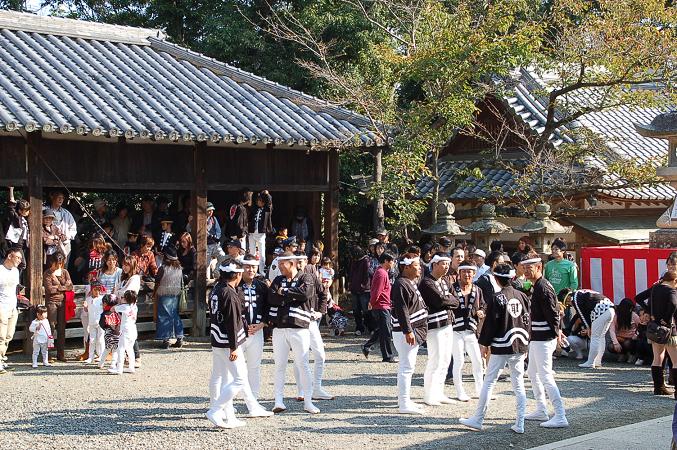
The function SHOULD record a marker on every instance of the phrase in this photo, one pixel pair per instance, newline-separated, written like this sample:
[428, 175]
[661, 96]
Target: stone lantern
[542, 229]
[487, 228]
[664, 126]
[446, 222]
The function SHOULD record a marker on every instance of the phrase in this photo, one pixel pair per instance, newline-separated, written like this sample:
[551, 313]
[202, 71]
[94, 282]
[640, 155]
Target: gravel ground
[163, 406]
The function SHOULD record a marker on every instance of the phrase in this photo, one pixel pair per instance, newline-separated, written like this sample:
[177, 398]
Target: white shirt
[128, 315]
[41, 330]
[133, 283]
[64, 220]
[274, 270]
[94, 308]
[9, 279]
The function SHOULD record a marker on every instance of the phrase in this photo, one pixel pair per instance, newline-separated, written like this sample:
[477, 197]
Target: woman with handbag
[168, 286]
[56, 281]
[661, 331]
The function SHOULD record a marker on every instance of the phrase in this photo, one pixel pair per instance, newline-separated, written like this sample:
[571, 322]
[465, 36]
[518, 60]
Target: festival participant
[559, 271]
[410, 328]
[380, 309]
[17, 231]
[168, 285]
[359, 290]
[130, 280]
[94, 307]
[128, 313]
[145, 259]
[290, 300]
[545, 334]
[457, 257]
[109, 274]
[236, 222]
[478, 257]
[466, 325]
[505, 336]
[42, 333]
[596, 313]
[440, 301]
[318, 309]
[254, 304]
[260, 224]
[213, 235]
[288, 245]
[52, 237]
[56, 281]
[229, 369]
[109, 322]
[167, 237]
[64, 220]
[9, 280]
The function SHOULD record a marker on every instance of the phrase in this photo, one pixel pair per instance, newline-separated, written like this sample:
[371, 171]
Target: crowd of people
[517, 312]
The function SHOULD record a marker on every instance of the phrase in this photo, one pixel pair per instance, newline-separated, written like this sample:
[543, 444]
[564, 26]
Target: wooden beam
[199, 227]
[331, 209]
[34, 196]
[269, 187]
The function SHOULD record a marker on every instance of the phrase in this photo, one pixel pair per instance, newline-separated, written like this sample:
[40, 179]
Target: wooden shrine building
[103, 108]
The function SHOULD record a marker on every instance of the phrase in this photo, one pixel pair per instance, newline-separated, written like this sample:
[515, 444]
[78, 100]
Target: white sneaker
[463, 398]
[87, 361]
[517, 429]
[321, 394]
[216, 417]
[234, 423]
[471, 423]
[47, 364]
[259, 411]
[129, 370]
[586, 365]
[114, 371]
[537, 415]
[431, 402]
[446, 400]
[309, 407]
[35, 366]
[556, 422]
[412, 408]
[639, 362]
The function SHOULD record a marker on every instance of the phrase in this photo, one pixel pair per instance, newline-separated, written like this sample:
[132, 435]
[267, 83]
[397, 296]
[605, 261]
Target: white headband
[438, 258]
[467, 268]
[302, 257]
[287, 258]
[531, 261]
[407, 261]
[249, 262]
[230, 268]
[510, 274]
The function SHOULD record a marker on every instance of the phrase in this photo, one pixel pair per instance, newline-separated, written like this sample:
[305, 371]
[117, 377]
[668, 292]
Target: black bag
[655, 332]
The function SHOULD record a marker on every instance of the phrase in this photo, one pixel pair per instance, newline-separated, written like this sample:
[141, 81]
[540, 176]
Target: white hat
[480, 252]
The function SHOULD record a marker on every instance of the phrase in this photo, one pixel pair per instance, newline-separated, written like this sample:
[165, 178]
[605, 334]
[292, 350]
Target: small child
[42, 333]
[94, 305]
[128, 312]
[110, 324]
[326, 270]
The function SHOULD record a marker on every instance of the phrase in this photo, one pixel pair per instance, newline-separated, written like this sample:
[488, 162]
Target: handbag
[50, 340]
[656, 332]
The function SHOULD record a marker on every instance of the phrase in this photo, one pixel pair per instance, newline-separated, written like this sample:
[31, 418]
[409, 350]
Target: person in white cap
[290, 313]
[229, 369]
[466, 324]
[545, 333]
[441, 302]
[478, 258]
[214, 249]
[410, 327]
[318, 309]
[505, 334]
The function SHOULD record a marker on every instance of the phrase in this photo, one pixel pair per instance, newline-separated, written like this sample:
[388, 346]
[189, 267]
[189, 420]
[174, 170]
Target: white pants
[253, 352]
[405, 368]
[494, 367]
[542, 377]
[439, 356]
[258, 240]
[317, 349]
[577, 344]
[126, 346]
[598, 330]
[37, 348]
[466, 342]
[96, 340]
[298, 339]
[228, 379]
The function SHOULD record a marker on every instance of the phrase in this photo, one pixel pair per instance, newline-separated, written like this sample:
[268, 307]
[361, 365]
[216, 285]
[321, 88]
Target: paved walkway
[655, 433]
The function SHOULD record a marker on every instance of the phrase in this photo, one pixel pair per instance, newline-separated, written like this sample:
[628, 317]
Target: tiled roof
[617, 126]
[74, 77]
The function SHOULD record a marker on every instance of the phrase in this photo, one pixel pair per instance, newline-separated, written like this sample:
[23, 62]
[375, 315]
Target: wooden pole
[331, 208]
[34, 194]
[199, 226]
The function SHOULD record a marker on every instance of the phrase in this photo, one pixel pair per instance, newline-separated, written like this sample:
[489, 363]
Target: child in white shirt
[94, 305]
[42, 333]
[128, 334]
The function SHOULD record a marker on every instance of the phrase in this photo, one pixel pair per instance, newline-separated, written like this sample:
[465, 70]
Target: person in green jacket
[559, 271]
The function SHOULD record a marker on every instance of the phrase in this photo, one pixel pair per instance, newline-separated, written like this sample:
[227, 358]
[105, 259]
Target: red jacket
[380, 290]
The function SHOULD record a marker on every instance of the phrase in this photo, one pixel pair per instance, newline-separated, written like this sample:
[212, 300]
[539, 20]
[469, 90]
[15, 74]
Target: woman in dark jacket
[662, 305]
[187, 256]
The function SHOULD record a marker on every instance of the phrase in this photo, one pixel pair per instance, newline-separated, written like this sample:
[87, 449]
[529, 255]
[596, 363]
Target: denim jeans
[361, 312]
[168, 321]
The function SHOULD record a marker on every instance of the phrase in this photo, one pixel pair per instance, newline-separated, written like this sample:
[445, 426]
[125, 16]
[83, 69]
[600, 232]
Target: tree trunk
[436, 185]
[379, 214]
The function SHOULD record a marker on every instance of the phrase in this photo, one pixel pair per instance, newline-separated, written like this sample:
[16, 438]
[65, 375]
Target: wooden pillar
[331, 208]
[199, 226]
[34, 196]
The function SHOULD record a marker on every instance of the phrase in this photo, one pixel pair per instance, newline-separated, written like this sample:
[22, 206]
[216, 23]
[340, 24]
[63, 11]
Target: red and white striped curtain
[619, 272]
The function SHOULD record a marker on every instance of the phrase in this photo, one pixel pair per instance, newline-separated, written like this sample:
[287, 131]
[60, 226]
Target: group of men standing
[240, 307]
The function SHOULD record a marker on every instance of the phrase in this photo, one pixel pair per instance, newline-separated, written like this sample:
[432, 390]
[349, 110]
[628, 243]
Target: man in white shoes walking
[229, 369]
[410, 328]
[318, 309]
[545, 333]
[506, 333]
[290, 299]
[438, 298]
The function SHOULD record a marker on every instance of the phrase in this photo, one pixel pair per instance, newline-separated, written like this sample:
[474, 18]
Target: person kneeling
[505, 334]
